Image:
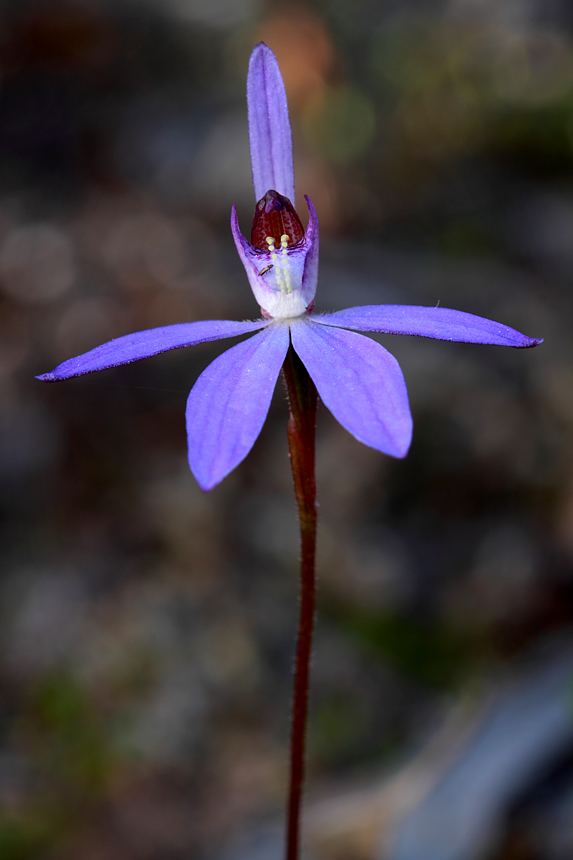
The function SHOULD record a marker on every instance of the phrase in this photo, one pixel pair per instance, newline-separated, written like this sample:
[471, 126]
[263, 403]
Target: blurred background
[146, 629]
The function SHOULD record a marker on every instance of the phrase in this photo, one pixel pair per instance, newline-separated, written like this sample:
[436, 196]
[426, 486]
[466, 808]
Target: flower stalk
[302, 399]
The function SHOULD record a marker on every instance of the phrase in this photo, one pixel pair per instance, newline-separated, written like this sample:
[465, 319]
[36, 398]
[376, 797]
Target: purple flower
[358, 380]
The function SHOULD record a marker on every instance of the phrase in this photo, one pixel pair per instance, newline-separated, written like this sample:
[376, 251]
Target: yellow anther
[282, 268]
[274, 260]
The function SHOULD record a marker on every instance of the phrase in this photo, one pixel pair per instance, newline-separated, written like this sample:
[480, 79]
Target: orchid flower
[358, 380]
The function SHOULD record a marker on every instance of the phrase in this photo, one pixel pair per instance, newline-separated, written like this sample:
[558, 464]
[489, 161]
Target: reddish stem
[301, 438]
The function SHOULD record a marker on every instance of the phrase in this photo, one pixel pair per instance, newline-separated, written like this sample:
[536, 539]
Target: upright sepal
[269, 127]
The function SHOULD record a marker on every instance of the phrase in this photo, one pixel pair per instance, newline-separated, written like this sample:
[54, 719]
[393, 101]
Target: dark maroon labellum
[274, 217]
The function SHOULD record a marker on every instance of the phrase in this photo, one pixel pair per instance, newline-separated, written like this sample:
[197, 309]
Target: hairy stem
[301, 440]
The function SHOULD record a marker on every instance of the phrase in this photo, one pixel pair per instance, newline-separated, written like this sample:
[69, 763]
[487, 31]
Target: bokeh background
[146, 629]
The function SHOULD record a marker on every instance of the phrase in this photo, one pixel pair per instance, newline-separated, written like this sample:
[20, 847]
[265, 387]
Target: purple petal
[269, 126]
[229, 402]
[361, 384]
[441, 323]
[143, 344]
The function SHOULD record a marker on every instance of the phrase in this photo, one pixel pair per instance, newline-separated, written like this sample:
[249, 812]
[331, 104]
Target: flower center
[275, 223]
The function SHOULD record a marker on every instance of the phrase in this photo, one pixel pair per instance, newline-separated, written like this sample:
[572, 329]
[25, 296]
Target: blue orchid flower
[357, 379]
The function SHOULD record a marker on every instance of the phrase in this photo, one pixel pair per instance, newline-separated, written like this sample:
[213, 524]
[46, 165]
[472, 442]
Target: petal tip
[263, 52]
[402, 444]
[261, 47]
[206, 486]
[205, 482]
[403, 450]
[526, 342]
[312, 225]
[47, 377]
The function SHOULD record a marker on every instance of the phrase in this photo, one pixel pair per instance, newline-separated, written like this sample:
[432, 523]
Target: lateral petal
[143, 344]
[269, 127]
[360, 382]
[310, 273]
[434, 322]
[229, 402]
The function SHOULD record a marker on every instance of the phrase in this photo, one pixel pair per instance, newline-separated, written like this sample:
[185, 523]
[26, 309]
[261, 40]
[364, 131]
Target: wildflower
[358, 380]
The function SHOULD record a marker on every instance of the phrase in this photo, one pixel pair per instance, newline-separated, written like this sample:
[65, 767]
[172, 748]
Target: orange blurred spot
[304, 50]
